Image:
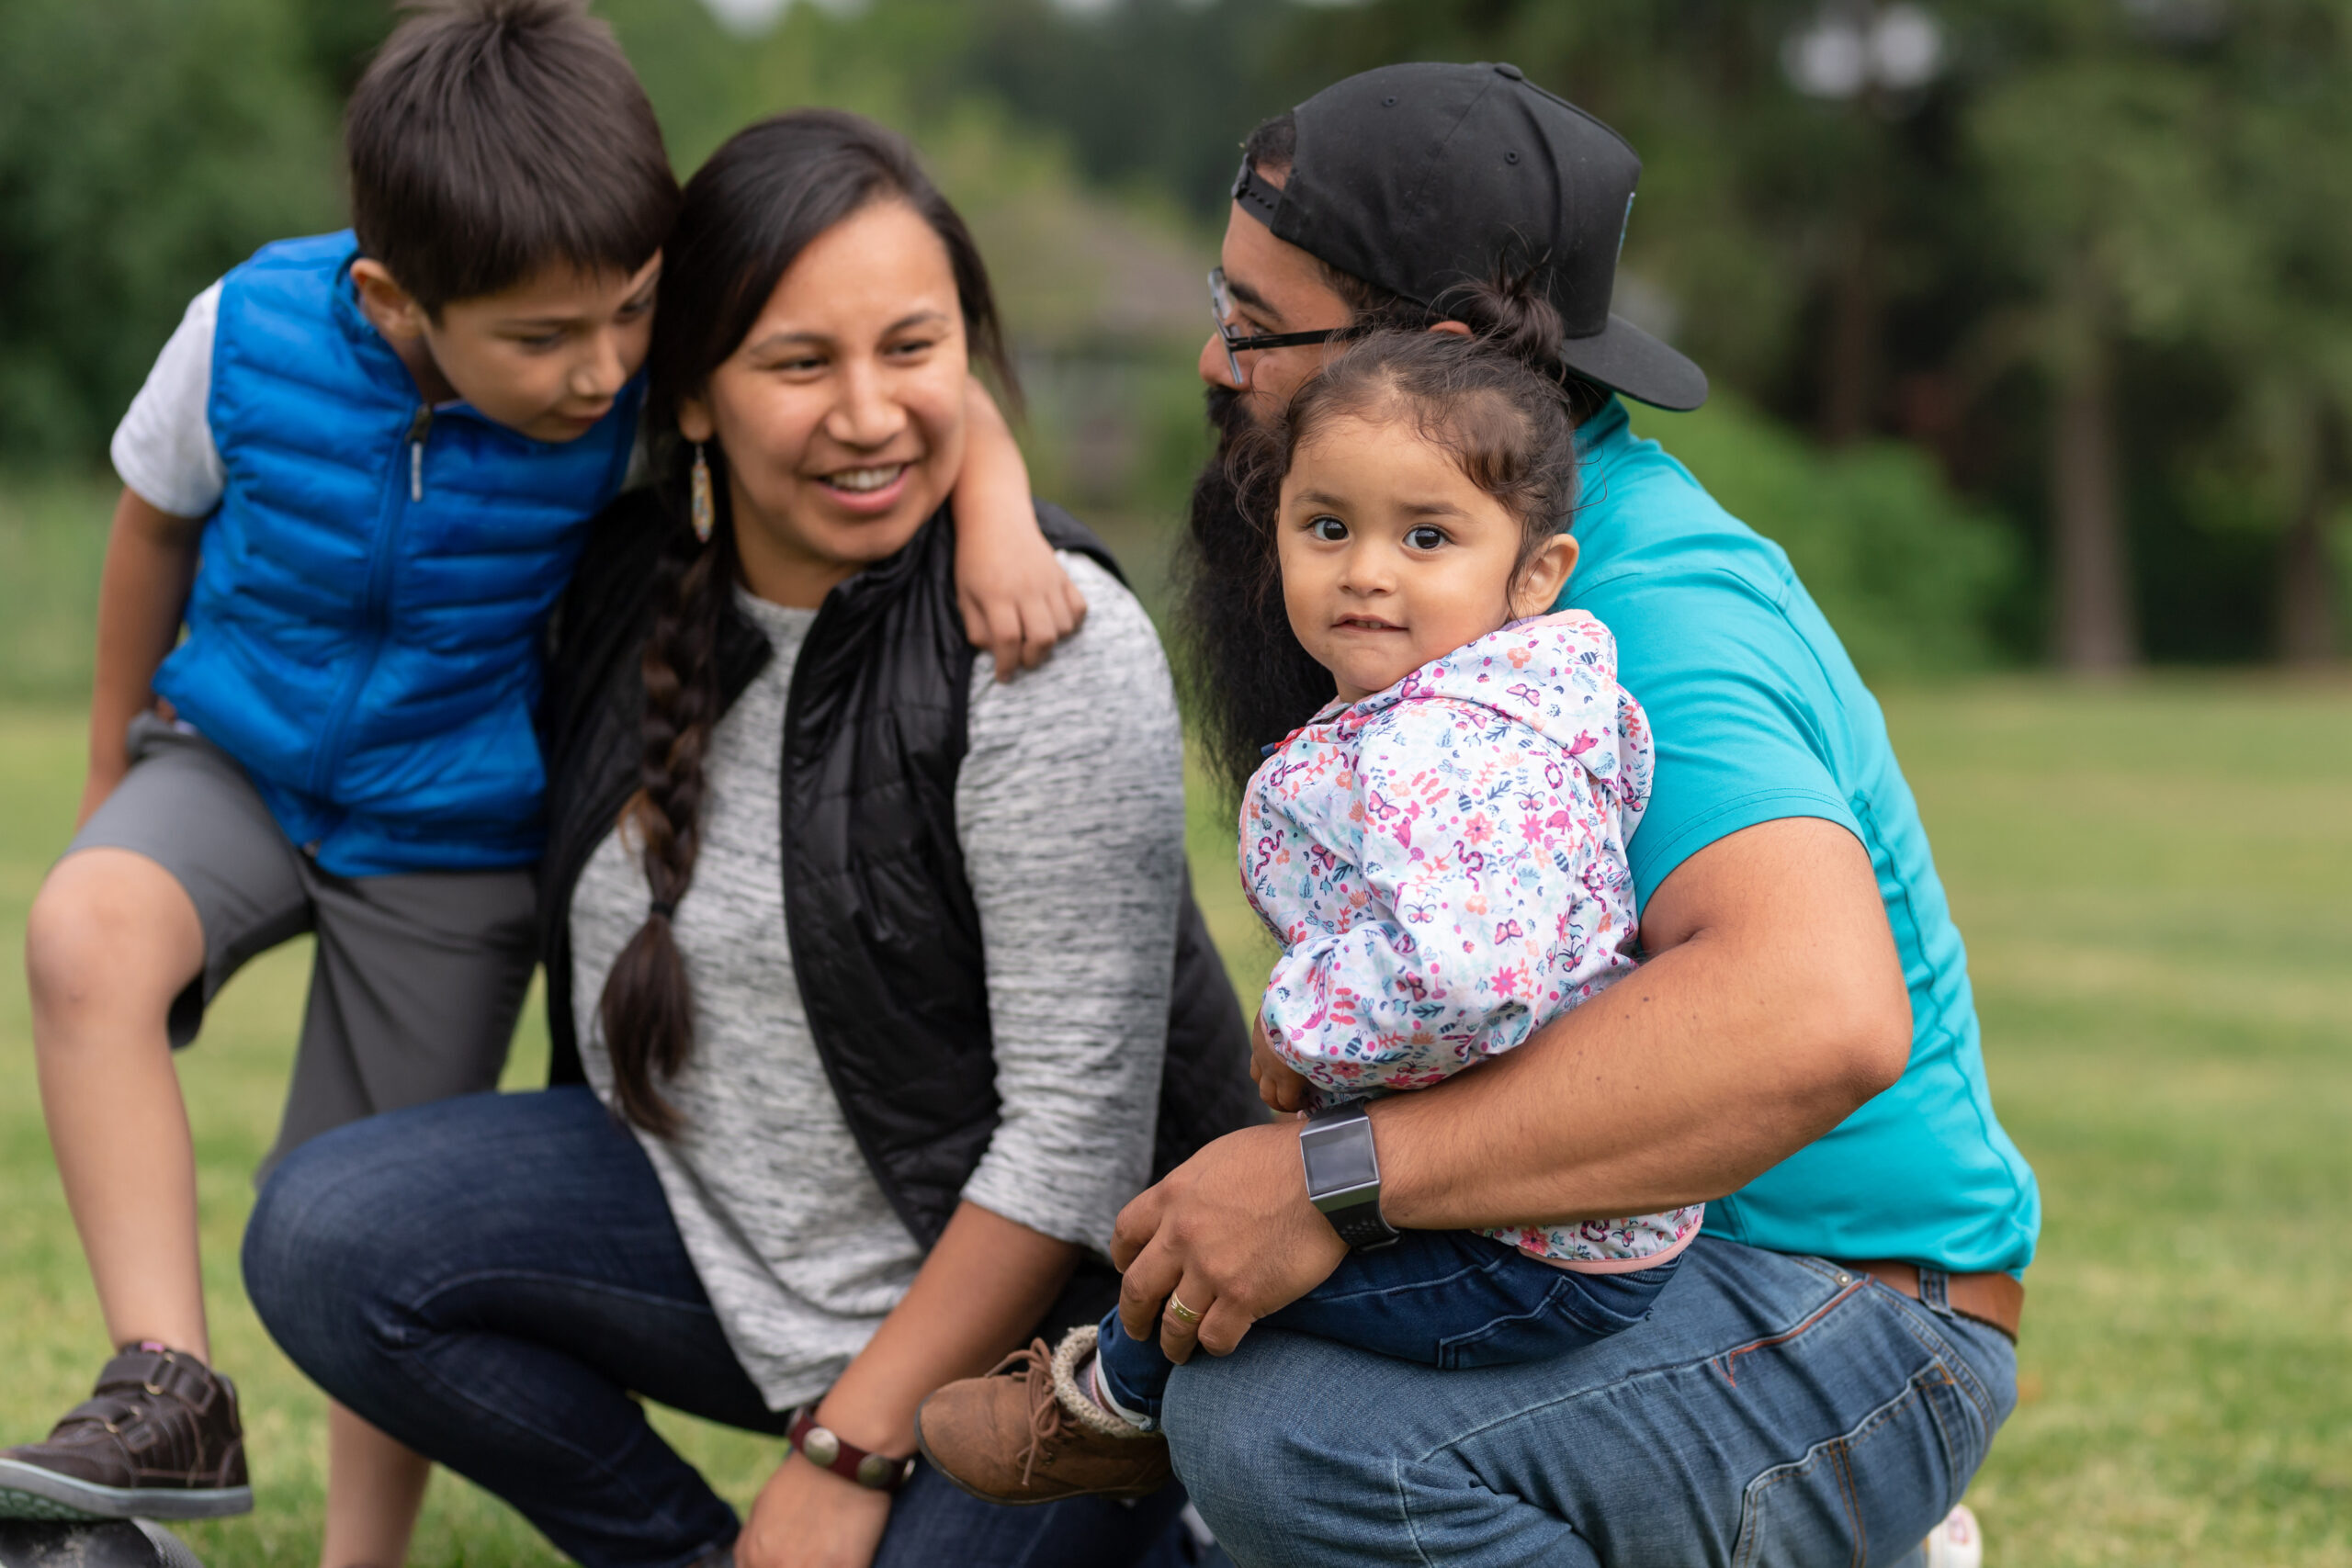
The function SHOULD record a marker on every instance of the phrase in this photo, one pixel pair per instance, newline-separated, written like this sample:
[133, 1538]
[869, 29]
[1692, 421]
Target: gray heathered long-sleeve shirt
[1069, 811]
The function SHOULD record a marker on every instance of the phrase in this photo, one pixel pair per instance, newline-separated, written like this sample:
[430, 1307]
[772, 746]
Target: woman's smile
[868, 492]
[841, 415]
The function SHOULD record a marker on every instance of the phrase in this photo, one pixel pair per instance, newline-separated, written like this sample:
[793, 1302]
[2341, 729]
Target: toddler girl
[1440, 851]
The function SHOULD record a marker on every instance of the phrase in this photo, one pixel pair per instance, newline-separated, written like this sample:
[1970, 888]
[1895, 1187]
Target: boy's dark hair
[491, 139]
[1506, 425]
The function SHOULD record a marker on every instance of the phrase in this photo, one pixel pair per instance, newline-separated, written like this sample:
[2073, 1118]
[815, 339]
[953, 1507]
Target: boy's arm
[151, 561]
[1017, 601]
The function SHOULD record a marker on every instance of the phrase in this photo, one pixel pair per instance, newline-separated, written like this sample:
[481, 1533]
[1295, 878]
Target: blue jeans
[1439, 1298]
[1774, 1412]
[488, 1280]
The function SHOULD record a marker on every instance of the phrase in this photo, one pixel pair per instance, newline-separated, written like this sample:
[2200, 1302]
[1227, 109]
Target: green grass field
[2153, 881]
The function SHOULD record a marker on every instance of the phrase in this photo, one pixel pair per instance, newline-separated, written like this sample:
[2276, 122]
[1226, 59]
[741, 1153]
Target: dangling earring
[699, 507]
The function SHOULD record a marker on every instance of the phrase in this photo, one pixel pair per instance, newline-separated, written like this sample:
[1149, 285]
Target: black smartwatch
[1343, 1174]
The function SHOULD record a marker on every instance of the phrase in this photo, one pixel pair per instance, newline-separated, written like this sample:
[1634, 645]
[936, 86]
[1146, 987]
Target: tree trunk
[1849, 358]
[2306, 574]
[2098, 629]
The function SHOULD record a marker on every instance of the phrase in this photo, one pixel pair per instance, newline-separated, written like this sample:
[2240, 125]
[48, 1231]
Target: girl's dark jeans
[1441, 1298]
[492, 1279]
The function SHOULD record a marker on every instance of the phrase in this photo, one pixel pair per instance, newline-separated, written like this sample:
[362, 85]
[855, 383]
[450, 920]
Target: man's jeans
[489, 1279]
[1774, 1412]
[1439, 1298]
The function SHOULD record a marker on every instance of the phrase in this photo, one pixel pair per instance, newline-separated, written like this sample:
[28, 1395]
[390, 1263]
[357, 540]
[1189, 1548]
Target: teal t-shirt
[1758, 714]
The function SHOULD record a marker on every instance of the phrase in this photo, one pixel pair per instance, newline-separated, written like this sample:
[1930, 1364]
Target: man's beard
[1248, 682]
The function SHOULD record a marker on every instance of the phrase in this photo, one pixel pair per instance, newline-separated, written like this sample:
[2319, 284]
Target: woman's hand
[807, 1518]
[986, 1280]
[1279, 1084]
[1230, 1234]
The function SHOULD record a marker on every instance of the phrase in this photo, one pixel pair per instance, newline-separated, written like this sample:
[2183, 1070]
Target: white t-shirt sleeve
[164, 447]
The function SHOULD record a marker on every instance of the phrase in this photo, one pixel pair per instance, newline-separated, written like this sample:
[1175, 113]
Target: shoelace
[1046, 1419]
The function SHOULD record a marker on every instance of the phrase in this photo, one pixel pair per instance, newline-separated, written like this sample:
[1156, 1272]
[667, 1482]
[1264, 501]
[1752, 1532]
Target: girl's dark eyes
[1330, 530]
[1425, 537]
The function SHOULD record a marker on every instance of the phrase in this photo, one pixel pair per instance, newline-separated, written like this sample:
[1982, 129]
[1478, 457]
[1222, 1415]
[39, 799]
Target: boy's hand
[1279, 1085]
[1017, 601]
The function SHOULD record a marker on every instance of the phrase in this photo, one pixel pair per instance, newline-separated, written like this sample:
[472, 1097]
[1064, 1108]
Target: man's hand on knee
[1230, 1235]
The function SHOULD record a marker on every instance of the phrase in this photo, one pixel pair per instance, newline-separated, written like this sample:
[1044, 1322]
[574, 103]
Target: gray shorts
[418, 977]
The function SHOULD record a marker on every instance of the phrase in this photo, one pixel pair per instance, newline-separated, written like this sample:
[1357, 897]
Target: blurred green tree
[2111, 237]
[2093, 256]
[2290, 169]
[2104, 158]
[145, 146]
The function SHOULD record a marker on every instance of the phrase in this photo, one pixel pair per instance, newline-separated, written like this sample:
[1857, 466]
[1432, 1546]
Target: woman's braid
[647, 1010]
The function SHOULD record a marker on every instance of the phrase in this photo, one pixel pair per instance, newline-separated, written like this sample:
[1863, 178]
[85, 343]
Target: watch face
[1339, 1157]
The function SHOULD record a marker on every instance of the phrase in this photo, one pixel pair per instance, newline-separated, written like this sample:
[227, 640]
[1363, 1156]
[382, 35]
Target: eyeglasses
[1237, 343]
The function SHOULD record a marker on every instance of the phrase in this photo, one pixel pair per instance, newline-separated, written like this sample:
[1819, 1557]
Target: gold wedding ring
[1180, 1312]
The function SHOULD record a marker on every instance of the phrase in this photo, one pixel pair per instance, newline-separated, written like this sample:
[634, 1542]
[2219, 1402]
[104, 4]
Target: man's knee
[110, 930]
[1276, 1427]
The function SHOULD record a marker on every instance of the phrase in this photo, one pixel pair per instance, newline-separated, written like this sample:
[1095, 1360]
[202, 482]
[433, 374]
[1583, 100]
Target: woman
[880, 960]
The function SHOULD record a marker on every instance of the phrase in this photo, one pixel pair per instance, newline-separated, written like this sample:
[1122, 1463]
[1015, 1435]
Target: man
[1825, 1373]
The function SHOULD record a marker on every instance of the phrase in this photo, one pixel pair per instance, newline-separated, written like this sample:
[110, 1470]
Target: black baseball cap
[1421, 177]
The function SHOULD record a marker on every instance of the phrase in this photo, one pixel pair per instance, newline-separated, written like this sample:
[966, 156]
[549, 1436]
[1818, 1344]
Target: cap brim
[1626, 360]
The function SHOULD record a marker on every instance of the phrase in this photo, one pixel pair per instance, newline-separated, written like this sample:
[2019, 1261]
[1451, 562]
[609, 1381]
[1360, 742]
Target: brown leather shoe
[158, 1439]
[1025, 1434]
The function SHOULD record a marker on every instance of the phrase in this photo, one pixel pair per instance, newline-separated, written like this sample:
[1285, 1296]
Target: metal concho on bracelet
[823, 1447]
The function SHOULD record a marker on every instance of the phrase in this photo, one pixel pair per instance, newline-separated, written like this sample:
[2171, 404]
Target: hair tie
[661, 907]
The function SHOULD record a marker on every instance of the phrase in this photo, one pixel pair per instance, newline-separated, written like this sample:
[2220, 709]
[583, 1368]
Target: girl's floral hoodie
[1445, 864]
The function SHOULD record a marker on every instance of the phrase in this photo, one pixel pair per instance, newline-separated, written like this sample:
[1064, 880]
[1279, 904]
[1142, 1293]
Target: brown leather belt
[1994, 1300]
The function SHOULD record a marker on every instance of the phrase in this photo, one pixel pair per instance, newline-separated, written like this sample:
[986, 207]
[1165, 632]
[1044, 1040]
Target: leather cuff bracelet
[820, 1447]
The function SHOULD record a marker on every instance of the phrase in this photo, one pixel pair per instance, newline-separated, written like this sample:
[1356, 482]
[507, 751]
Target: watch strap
[1348, 1197]
[823, 1447]
[1362, 1227]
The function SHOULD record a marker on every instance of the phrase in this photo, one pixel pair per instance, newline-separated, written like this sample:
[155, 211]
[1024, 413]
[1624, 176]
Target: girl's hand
[807, 1518]
[1279, 1085]
[1017, 601]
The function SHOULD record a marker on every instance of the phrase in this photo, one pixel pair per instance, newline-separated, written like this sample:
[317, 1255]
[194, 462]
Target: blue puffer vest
[364, 633]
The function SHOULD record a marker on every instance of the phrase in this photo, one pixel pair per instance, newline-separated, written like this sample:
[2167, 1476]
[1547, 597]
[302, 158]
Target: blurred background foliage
[2030, 319]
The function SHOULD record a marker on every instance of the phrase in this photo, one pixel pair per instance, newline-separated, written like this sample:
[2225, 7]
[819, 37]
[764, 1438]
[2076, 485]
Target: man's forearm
[1776, 1009]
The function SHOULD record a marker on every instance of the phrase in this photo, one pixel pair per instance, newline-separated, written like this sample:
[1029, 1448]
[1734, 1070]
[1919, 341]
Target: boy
[388, 442]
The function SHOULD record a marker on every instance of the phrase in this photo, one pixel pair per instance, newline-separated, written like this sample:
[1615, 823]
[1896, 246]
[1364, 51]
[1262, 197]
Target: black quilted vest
[885, 938]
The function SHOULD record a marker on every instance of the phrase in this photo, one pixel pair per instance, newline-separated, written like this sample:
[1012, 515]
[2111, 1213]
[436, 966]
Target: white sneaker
[1957, 1542]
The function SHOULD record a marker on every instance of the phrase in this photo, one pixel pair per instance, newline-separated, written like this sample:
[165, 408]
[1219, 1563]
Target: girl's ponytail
[1508, 313]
